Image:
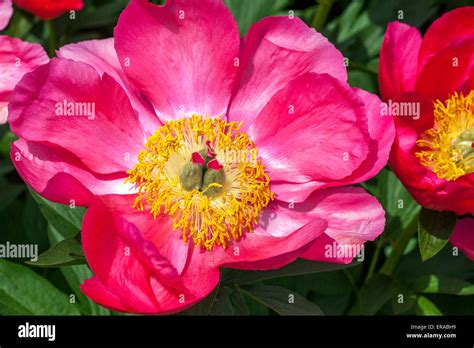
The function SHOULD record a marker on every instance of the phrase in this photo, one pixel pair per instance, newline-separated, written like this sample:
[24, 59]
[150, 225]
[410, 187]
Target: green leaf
[75, 276]
[399, 206]
[281, 300]
[375, 294]
[23, 292]
[349, 22]
[19, 25]
[449, 262]
[66, 253]
[426, 307]
[363, 79]
[403, 300]
[34, 224]
[439, 284]
[63, 218]
[434, 230]
[299, 267]
[247, 12]
[223, 300]
[229, 302]
[414, 13]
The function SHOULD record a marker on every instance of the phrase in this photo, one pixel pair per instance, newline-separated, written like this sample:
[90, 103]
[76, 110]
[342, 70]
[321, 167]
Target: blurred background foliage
[442, 285]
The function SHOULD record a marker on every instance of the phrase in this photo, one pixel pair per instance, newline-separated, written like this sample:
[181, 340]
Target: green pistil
[209, 181]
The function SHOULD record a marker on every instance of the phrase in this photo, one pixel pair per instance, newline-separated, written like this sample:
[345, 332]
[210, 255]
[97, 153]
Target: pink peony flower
[16, 59]
[433, 152]
[194, 150]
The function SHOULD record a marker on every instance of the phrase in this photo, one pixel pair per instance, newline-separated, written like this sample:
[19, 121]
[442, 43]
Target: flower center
[206, 175]
[448, 147]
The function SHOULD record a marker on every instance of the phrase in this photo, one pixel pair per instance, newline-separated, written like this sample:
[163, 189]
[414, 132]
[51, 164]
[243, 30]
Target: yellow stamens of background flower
[448, 146]
[227, 205]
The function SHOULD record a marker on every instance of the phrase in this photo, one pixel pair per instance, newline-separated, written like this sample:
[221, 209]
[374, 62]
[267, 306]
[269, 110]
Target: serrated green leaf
[281, 300]
[434, 230]
[23, 292]
[298, 267]
[66, 220]
[425, 307]
[439, 284]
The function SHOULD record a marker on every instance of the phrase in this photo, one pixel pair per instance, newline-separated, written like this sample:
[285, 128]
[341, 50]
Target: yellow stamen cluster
[207, 220]
[447, 148]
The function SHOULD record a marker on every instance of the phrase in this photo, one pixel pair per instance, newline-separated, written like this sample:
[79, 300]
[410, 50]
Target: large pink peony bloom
[16, 59]
[433, 153]
[250, 148]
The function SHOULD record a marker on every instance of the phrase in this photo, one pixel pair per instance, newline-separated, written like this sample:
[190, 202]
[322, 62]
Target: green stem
[392, 261]
[321, 15]
[50, 32]
[355, 309]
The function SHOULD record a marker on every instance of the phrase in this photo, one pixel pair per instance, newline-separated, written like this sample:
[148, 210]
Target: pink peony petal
[398, 60]
[16, 59]
[455, 62]
[94, 289]
[70, 98]
[326, 249]
[101, 55]
[452, 27]
[463, 236]
[275, 51]
[181, 55]
[137, 270]
[59, 176]
[161, 234]
[282, 235]
[304, 136]
[6, 11]
[382, 134]
[353, 217]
